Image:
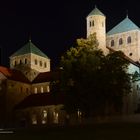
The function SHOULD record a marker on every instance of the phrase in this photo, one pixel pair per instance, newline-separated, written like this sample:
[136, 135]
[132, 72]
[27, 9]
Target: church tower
[30, 60]
[96, 23]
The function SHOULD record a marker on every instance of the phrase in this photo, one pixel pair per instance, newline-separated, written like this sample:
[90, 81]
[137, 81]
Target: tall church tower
[96, 23]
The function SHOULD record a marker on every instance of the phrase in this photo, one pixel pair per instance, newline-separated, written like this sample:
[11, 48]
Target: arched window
[93, 23]
[48, 88]
[90, 24]
[34, 119]
[44, 117]
[41, 63]
[45, 64]
[112, 43]
[25, 61]
[129, 39]
[42, 90]
[35, 90]
[120, 41]
[20, 62]
[55, 117]
[15, 63]
[35, 62]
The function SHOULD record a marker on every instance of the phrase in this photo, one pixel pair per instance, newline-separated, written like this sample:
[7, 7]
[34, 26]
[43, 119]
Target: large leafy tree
[91, 81]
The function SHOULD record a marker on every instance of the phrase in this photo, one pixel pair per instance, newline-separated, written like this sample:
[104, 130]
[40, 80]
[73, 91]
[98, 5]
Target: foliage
[91, 81]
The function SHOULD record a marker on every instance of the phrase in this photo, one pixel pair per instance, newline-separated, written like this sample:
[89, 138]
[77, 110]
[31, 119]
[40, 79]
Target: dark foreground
[115, 131]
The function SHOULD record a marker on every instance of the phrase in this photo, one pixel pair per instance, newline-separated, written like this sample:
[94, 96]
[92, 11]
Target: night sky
[55, 25]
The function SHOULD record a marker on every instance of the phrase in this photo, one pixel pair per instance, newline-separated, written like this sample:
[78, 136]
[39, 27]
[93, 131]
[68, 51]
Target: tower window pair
[91, 23]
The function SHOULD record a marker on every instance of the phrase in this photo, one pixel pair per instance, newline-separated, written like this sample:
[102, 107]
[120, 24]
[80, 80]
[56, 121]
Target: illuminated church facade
[25, 89]
[124, 37]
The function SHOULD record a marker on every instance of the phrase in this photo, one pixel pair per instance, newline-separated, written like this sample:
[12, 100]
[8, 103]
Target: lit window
[79, 113]
[48, 88]
[35, 90]
[129, 40]
[120, 41]
[42, 90]
[34, 119]
[112, 43]
[44, 117]
[35, 62]
[55, 115]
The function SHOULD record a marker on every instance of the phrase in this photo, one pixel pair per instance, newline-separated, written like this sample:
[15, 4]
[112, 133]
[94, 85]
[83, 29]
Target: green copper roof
[123, 26]
[29, 48]
[96, 11]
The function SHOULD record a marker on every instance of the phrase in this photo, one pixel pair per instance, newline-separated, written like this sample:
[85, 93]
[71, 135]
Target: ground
[115, 131]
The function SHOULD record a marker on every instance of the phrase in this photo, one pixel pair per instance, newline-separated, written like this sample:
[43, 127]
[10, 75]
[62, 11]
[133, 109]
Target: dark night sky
[54, 25]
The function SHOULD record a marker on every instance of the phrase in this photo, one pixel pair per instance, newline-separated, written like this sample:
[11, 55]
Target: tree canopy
[92, 82]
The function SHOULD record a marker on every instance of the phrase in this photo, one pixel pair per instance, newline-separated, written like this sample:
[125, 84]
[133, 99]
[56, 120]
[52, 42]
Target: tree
[92, 82]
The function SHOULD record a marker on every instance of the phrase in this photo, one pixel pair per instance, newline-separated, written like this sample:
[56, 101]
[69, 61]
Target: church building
[25, 89]
[124, 37]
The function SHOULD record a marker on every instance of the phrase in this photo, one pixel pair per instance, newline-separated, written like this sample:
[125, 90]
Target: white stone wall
[99, 28]
[18, 59]
[38, 67]
[132, 49]
[30, 62]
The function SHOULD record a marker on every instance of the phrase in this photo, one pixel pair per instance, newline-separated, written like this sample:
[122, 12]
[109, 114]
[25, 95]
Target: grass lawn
[114, 131]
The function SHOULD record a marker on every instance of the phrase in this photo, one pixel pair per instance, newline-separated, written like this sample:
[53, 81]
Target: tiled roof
[96, 11]
[123, 26]
[13, 74]
[29, 48]
[47, 76]
[40, 99]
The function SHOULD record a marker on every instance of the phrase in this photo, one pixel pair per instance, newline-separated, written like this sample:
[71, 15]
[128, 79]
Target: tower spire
[30, 38]
[126, 13]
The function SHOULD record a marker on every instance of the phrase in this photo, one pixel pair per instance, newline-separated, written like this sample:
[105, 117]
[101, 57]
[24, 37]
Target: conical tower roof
[96, 11]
